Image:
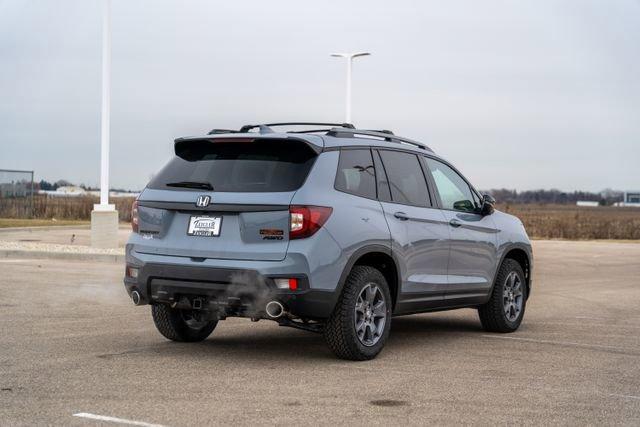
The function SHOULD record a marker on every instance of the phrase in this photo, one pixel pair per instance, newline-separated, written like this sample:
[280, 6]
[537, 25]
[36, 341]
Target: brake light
[306, 220]
[134, 216]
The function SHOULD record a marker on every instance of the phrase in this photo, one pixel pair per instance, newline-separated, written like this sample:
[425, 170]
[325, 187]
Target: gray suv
[330, 229]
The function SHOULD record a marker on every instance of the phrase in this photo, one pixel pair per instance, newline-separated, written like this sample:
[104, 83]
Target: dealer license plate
[206, 226]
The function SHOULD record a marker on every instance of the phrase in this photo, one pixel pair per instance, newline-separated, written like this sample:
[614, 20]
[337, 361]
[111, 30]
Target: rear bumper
[232, 290]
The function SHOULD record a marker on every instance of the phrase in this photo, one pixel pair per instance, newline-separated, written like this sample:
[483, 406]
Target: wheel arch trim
[361, 252]
[529, 257]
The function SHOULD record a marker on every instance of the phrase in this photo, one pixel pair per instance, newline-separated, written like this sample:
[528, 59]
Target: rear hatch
[224, 198]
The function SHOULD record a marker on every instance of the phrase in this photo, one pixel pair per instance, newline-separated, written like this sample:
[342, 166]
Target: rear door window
[237, 166]
[356, 174]
[406, 179]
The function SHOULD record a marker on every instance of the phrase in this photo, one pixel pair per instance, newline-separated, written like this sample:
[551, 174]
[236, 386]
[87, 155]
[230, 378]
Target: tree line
[605, 197]
[53, 186]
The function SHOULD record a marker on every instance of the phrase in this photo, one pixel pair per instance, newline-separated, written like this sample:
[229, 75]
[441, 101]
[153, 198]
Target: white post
[349, 57]
[106, 106]
[348, 96]
[104, 217]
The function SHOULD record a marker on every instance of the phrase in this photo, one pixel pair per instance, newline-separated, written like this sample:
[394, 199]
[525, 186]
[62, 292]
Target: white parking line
[596, 325]
[626, 396]
[569, 343]
[115, 420]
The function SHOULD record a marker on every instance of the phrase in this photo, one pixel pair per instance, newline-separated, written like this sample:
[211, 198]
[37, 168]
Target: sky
[522, 94]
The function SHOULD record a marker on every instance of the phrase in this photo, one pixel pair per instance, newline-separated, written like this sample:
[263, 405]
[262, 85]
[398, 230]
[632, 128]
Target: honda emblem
[203, 201]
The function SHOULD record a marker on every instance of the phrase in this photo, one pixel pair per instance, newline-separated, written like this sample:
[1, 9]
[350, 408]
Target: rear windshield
[238, 166]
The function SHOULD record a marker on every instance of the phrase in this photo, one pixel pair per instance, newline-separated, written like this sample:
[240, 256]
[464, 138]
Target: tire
[500, 313]
[180, 325]
[356, 304]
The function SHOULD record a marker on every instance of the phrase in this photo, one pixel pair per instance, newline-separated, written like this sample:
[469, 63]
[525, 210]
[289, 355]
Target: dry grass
[577, 223]
[541, 221]
[16, 222]
[60, 208]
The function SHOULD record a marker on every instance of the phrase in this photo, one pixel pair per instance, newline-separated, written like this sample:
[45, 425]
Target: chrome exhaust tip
[274, 309]
[136, 298]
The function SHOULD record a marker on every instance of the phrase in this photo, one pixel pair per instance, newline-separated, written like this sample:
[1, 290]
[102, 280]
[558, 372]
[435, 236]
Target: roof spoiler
[181, 145]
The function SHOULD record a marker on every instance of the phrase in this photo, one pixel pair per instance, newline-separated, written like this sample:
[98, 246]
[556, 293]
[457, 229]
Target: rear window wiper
[191, 184]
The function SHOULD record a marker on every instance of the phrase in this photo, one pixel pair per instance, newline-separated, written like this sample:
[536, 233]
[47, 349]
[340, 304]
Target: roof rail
[266, 127]
[219, 131]
[387, 135]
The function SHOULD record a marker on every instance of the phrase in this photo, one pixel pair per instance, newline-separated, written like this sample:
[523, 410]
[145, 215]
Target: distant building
[73, 191]
[631, 198]
[115, 194]
[66, 191]
[587, 203]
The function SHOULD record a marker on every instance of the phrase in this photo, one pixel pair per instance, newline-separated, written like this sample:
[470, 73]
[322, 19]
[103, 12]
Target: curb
[78, 256]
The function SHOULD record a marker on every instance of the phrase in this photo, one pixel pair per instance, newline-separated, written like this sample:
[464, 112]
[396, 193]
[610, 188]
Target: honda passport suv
[332, 230]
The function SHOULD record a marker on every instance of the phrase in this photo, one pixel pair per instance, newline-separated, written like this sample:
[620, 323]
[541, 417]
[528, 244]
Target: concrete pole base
[104, 227]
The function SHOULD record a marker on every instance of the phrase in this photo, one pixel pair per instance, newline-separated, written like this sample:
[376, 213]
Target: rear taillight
[306, 220]
[134, 216]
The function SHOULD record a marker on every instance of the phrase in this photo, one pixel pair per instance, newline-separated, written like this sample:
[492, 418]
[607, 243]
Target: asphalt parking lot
[72, 342]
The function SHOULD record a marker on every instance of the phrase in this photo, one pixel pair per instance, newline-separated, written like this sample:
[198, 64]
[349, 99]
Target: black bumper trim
[162, 282]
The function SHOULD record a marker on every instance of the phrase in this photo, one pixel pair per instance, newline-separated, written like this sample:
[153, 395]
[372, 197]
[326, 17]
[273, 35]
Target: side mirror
[464, 205]
[488, 203]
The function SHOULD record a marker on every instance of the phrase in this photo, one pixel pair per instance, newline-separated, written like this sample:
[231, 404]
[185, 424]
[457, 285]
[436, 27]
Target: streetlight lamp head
[350, 55]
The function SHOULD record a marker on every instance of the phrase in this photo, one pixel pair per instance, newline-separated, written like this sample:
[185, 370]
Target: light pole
[104, 217]
[106, 106]
[349, 57]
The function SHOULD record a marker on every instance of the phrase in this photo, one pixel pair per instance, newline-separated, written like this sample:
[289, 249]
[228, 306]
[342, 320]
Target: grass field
[16, 222]
[542, 221]
[60, 208]
[577, 223]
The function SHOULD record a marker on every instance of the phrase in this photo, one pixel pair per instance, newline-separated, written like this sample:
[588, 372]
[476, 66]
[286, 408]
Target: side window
[406, 179]
[384, 193]
[454, 191]
[356, 174]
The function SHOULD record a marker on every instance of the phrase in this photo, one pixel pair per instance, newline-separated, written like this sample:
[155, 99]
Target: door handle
[455, 223]
[401, 216]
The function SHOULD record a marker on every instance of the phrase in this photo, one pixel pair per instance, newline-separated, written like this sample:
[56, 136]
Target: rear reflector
[132, 272]
[287, 283]
[306, 220]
